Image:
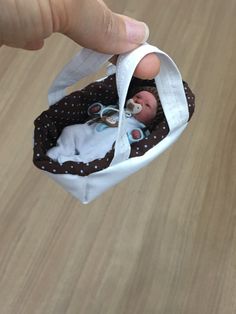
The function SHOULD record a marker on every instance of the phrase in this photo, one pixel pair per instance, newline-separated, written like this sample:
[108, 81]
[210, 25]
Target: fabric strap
[84, 63]
[170, 89]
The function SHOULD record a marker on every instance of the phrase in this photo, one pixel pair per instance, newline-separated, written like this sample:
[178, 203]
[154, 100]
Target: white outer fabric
[171, 92]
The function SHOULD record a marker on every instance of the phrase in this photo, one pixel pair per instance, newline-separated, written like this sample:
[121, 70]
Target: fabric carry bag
[173, 99]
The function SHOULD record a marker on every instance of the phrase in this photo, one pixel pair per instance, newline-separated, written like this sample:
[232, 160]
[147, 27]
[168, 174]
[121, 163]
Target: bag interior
[72, 109]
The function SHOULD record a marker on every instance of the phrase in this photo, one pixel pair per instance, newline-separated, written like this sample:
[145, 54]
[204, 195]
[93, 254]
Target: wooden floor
[161, 242]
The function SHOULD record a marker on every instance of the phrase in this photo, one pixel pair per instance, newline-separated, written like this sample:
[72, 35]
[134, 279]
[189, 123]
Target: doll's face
[149, 106]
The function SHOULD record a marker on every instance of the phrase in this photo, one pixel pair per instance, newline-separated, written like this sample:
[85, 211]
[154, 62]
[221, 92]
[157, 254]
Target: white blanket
[85, 143]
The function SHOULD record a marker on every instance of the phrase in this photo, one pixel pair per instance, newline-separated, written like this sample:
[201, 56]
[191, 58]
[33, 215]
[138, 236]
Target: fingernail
[34, 45]
[137, 32]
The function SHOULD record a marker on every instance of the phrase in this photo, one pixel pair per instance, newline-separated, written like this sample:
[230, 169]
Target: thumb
[91, 24]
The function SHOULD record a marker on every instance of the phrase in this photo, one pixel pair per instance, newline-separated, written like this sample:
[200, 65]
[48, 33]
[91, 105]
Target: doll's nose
[139, 101]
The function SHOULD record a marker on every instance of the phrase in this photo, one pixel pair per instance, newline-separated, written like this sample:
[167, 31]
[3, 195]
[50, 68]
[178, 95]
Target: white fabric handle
[169, 85]
[170, 89]
[84, 63]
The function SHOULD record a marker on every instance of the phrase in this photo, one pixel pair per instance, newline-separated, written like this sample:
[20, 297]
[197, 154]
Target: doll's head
[143, 104]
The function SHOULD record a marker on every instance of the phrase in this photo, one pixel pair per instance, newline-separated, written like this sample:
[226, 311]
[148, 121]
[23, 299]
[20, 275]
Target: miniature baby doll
[93, 139]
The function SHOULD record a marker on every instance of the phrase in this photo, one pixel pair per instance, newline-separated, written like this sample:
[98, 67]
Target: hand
[26, 23]
[90, 23]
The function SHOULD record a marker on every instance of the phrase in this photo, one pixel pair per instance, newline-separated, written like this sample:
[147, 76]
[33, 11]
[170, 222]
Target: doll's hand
[26, 23]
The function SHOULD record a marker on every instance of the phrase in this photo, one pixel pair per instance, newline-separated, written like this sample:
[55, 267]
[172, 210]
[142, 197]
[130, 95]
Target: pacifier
[133, 107]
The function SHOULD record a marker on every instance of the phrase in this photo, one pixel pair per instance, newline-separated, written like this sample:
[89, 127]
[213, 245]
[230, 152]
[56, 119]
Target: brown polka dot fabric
[72, 109]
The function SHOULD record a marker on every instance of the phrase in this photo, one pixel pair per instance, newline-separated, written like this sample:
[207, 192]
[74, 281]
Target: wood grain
[161, 242]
